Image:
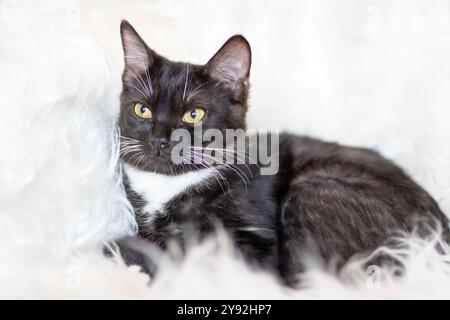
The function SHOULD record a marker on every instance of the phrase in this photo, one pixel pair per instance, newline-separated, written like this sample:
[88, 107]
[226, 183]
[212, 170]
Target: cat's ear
[231, 65]
[138, 57]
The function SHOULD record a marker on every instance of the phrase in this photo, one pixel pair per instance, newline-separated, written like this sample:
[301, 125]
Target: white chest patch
[158, 189]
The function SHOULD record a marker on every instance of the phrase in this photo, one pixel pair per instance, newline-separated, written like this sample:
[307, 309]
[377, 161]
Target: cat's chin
[162, 167]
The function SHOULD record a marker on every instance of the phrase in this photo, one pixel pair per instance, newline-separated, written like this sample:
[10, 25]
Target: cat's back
[305, 159]
[302, 157]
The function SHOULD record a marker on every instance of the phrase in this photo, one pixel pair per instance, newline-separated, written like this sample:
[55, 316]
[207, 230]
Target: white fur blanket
[367, 73]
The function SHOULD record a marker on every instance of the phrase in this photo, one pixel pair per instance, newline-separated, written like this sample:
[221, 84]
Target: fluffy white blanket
[360, 72]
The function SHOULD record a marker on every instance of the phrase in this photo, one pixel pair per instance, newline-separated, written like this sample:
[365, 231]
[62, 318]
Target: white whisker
[226, 152]
[186, 82]
[234, 168]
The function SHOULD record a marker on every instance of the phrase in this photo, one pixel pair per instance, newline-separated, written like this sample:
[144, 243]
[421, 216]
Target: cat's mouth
[161, 162]
[157, 158]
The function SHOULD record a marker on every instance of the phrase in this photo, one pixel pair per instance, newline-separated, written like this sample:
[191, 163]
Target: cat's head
[160, 96]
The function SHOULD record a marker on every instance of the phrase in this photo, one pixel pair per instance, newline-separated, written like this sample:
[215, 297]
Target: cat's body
[341, 200]
[326, 200]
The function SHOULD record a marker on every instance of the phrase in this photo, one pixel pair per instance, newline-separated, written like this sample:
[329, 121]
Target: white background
[367, 73]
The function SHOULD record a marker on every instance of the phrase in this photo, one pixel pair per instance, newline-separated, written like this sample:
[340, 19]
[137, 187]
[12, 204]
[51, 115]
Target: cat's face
[160, 96]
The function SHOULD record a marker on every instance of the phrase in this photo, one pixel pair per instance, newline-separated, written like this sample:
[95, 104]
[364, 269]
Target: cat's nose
[160, 143]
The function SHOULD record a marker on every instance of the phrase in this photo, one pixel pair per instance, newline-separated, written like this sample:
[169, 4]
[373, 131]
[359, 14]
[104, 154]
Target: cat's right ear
[138, 57]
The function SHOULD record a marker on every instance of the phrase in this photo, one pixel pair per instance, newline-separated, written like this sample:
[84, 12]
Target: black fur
[327, 199]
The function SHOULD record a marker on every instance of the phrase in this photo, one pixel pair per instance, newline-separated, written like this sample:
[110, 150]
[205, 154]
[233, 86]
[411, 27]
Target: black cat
[325, 200]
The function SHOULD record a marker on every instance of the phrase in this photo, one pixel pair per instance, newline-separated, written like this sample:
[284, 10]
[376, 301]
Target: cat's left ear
[231, 65]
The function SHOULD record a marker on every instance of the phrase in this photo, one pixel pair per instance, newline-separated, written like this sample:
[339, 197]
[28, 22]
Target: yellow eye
[142, 111]
[194, 115]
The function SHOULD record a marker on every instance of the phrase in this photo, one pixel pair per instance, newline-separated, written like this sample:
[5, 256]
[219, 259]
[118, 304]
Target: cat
[327, 200]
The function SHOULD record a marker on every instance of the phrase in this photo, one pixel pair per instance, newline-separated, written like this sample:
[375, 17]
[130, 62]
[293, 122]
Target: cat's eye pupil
[193, 114]
[143, 109]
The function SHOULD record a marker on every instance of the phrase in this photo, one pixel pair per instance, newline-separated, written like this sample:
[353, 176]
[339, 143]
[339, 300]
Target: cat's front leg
[135, 252]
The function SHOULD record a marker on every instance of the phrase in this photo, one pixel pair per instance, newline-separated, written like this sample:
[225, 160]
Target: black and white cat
[326, 199]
